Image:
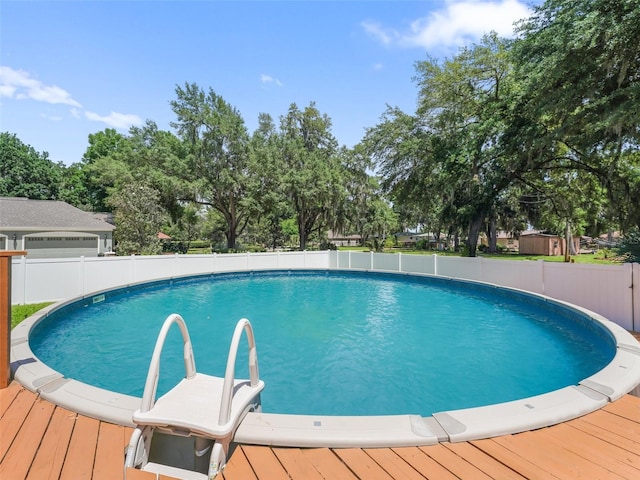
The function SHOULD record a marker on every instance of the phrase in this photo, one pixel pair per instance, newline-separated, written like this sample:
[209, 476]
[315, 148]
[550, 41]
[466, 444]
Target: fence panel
[386, 261]
[459, 267]
[52, 279]
[263, 261]
[418, 263]
[343, 259]
[316, 259]
[18, 280]
[605, 289]
[194, 264]
[231, 262]
[525, 275]
[360, 260]
[105, 273]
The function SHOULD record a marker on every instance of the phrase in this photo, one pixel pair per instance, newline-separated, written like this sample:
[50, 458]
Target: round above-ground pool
[443, 359]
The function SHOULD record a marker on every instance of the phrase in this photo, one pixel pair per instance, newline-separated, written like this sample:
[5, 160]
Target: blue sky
[71, 68]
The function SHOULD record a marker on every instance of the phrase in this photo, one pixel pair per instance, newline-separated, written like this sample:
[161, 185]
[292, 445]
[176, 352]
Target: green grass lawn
[20, 312]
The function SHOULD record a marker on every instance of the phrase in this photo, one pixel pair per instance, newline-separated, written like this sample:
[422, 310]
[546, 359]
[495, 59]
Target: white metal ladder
[205, 408]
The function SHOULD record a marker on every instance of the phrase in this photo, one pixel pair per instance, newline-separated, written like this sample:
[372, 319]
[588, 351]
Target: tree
[448, 160]
[26, 173]
[579, 67]
[313, 175]
[139, 217]
[271, 199]
[219, 170]
[104, 166]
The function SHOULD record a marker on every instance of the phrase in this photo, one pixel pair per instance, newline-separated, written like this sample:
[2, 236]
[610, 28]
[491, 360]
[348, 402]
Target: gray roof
[47, 215]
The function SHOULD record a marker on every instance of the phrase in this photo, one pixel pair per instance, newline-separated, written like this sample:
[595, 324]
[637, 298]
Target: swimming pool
[326, 339]
[360, 326]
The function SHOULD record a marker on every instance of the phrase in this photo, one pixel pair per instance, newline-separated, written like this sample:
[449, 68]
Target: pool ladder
[191, 427]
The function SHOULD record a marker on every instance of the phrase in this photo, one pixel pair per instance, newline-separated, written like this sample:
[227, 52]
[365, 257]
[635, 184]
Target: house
[406, 239]
[544, 244]
[50, 229]
[342, 240]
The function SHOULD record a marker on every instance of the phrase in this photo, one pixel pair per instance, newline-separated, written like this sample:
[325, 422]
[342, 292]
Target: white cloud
[458, 23]
[18, 84]
[267, 79]
[116, 120]
[386, 36]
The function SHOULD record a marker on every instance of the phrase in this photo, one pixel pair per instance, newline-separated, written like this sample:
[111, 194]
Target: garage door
[56, 247]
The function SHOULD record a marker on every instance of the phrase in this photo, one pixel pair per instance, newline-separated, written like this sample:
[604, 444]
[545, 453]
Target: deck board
[362, 465]
[49, 460]
[40, 441]
[238, 466]
[12, 421]
[513, 460]
[424, 464]
[78, 463]
[264, 463]
[459, 466]
[487, 464]
[23, 449]
[296, 463]
[393, 464]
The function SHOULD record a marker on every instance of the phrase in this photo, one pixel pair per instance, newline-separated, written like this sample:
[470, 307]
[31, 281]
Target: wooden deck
[41, 441]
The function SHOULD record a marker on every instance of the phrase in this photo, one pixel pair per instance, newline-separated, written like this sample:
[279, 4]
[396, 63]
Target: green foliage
[311, 171]
[25, 172]
[629, 249]
[219, 170]
[139, 217]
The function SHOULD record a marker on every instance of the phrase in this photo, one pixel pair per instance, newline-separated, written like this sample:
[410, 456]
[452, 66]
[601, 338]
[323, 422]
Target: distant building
[52, 229]
[544, 244]
[341, 240]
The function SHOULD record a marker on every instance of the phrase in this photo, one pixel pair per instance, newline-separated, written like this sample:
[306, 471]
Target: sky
[72, 68]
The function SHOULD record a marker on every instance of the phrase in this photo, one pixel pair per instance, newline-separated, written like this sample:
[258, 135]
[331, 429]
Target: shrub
[629, 249]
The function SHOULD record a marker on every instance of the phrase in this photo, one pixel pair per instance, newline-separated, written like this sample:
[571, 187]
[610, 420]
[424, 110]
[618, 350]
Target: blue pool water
[334, 343]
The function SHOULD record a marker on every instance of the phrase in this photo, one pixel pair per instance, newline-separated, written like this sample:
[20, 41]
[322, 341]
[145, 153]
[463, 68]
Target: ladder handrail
[229, 376]
[151, 385]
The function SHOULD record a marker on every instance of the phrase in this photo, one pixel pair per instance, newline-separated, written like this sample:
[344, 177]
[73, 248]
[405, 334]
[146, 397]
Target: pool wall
[606, 289]
[619, 377]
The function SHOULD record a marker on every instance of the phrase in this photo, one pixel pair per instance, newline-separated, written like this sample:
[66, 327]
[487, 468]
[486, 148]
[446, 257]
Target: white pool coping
[619, 377]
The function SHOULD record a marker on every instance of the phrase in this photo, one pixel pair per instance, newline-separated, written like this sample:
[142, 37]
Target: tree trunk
[302, 230]
[570, 249]
[493, 234]
[231, 237]
[475, 226]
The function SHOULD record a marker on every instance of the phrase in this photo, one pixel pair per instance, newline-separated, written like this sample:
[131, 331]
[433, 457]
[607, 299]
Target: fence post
[132, 269]
[635, 291]
[23, 262]
[435, 264]
[83, 275]
[5, 315]
[399, 261]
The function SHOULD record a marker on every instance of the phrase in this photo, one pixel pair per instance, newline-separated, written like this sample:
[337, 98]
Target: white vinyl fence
[610, 290]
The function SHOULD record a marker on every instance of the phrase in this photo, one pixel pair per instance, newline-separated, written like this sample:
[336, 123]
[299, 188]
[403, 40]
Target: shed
[544, 244]
[52, 229]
